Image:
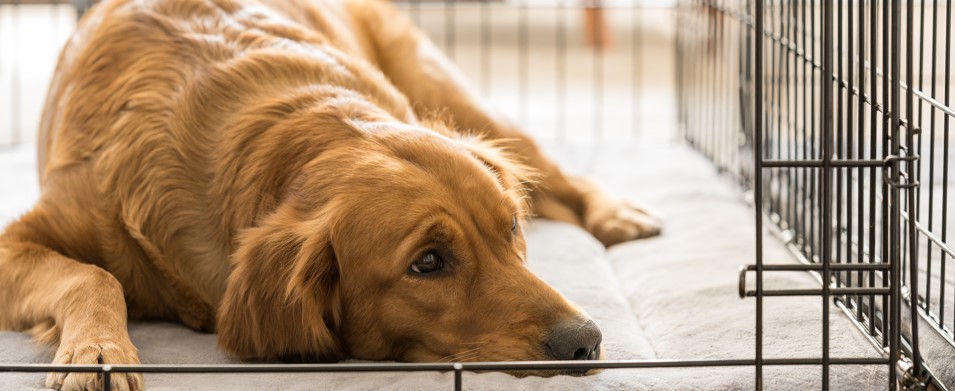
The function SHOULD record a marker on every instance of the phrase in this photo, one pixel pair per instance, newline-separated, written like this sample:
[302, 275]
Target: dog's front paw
[95, 351]
[619, 222]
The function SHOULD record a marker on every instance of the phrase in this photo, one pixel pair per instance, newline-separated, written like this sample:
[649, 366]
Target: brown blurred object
[596, 27]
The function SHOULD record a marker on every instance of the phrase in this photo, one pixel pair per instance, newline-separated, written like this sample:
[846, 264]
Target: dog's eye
[428, 263]
[514, 225]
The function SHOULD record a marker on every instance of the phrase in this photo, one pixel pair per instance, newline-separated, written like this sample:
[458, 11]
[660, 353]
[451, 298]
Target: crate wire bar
[458, 368]
[794, 101]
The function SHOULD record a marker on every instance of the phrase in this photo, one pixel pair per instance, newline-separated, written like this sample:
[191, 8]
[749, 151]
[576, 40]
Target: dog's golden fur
[268, 171]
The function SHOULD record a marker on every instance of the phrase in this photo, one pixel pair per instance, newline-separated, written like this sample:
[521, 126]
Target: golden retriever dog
[312, 180]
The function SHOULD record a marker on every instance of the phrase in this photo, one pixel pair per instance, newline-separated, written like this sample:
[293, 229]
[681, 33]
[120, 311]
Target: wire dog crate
[792, 100]
[835, 115]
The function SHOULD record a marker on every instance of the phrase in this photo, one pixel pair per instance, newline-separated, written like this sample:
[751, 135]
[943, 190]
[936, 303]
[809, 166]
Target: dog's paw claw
[95, 352]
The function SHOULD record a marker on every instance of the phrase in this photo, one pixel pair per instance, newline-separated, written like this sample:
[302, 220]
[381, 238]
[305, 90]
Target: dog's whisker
[466, 352]
[453, 356]
[463, 355]
[467, 357]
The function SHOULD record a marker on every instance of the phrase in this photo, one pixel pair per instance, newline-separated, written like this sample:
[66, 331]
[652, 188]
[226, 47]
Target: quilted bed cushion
[671, 297]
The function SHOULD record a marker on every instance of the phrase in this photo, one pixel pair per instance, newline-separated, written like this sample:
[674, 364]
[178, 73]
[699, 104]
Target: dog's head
[405, 245]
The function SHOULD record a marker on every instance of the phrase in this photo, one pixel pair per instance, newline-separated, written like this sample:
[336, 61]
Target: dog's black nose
[575, 340]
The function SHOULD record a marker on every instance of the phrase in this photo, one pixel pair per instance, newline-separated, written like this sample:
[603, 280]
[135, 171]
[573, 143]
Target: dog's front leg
[79, 306]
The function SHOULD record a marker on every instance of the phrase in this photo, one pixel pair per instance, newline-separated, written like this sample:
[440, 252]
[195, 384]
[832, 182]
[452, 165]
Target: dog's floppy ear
[517, 178]
[283, 298]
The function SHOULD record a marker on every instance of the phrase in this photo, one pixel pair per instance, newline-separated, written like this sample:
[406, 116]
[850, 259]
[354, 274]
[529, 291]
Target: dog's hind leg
[77, 306]
[433, 84]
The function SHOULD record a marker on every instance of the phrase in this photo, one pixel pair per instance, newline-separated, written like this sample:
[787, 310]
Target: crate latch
[893, 159]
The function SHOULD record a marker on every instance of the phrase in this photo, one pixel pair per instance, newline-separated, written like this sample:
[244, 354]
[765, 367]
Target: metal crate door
[842, 139]
[851, 161]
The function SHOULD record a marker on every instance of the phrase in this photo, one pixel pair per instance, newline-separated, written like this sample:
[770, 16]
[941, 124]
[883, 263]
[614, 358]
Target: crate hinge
[909, 379]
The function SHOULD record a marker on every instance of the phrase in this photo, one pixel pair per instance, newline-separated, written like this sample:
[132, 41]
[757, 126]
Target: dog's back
[170, 47]
[151, 106]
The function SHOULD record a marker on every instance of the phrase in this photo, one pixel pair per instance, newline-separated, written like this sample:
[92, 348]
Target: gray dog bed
[670, 297]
